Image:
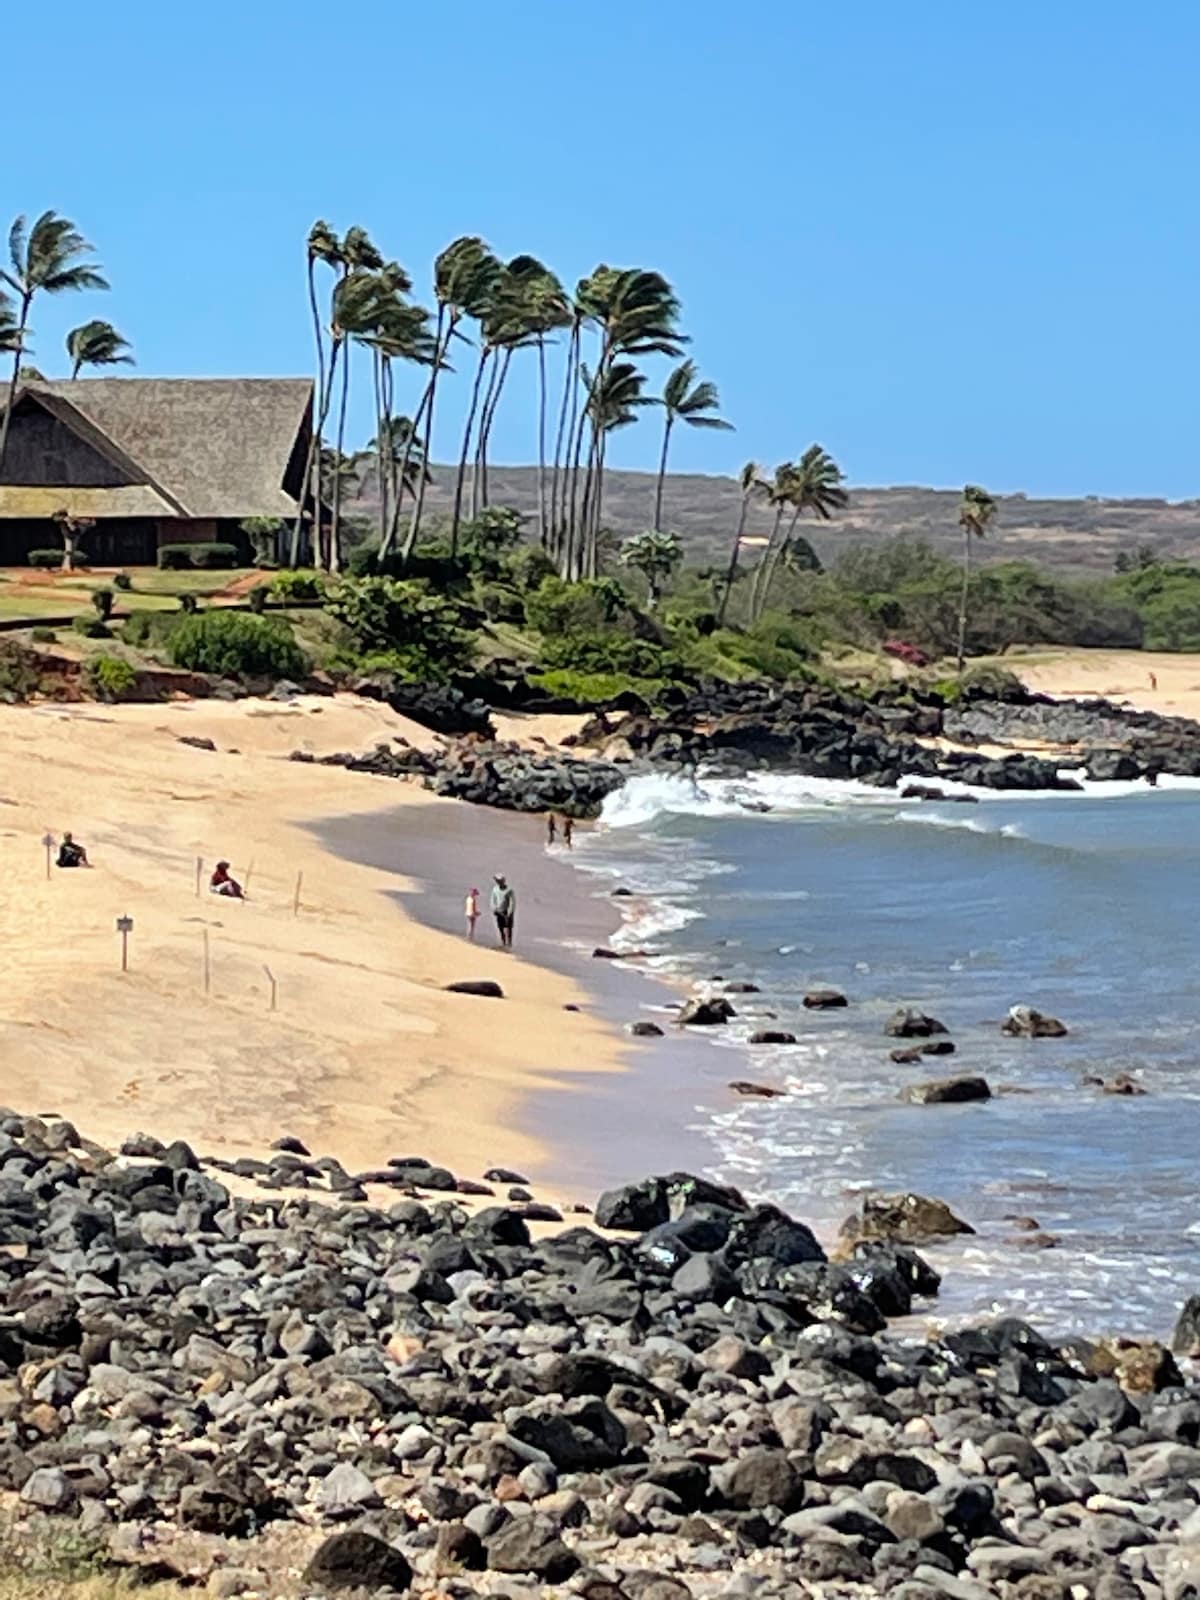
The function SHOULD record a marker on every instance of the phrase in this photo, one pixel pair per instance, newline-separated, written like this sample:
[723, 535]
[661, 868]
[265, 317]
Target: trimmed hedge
[91, 627]
[46, 558]
[211, 557]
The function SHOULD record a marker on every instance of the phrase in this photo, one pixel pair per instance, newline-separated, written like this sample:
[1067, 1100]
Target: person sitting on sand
[472, 911]
[222, 883]
[72, 854]
[504, 909]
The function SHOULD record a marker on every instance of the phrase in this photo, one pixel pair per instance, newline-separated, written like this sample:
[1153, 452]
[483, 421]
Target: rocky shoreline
[683, 1397]
[894, 738]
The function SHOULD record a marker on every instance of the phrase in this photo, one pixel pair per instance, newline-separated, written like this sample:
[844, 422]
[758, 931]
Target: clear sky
[948, 240]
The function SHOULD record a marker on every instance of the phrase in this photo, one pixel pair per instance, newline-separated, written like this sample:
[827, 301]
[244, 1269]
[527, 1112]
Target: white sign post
[124, 928]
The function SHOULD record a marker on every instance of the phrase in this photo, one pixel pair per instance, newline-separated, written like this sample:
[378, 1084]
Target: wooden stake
[271, 981]
[48, 841]
[199, 874]
[296, 896]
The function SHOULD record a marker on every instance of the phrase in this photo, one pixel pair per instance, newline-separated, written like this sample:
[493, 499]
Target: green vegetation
[209, 555]
[97, 344]
[232, 644]
[50, 560]
[91, 626]
[110, 677]
[295, 584]
[403, 624]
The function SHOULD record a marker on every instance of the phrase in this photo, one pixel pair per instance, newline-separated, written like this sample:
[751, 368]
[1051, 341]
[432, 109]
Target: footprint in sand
[132, 1089]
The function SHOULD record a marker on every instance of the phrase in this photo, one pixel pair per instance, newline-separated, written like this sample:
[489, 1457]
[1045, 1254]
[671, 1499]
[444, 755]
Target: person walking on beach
[569, 833]
[551, 829]
[504, 909]
[471, 909]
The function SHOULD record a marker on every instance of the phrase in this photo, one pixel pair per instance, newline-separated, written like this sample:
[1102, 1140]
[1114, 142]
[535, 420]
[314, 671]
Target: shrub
[18, 671]
[123, 581]
[297, 584]
[149, 630]
[422, 631]
[47, 559]
[263, 534]
[596, 688]
[110, 677]
[230, 644]
[210, 556]
[91, 627]
[103, 600]
[188, 604]
[43, 635]
[558, 607]
[610, 653]
[530, 567]
[499, 603]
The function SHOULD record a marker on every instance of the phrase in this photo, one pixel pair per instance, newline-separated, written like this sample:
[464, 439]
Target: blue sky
[948, 241]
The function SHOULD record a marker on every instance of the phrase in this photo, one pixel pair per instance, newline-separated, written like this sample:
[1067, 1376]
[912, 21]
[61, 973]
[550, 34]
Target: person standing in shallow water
[471, 911]
[551, 829]
[504, 910]
[569, 833]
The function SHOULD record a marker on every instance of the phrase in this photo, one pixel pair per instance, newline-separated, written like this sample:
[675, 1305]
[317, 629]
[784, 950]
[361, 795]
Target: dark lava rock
[488, 988]
[1185, 1341]
[825, 1000]
[937, 1047]
[910, 1024]
[531, 1544]
[1024, 1022]
[705, 1013]
[644, 1030]
[946, 1091]
[772, 1036]
[358, 1561]
[755, 1091]
[908, 1218]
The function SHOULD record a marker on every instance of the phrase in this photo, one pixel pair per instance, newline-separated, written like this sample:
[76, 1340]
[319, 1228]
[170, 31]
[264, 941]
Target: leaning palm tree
[542, 308]
[655, 555]
[323, 245]
[684, 400]
[814, 483]
[751, 482]
[48, 258]
[976, 510]
[97, 344]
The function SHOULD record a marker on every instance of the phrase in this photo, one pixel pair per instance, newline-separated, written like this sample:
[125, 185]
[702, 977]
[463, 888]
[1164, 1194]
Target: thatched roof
[32, 503]
[209, 447]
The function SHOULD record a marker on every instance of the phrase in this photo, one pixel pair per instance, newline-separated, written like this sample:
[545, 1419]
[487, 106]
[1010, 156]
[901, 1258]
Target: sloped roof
[37, 504]
[218, 447]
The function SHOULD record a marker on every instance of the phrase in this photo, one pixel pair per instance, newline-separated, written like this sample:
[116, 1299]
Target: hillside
[1083, 535]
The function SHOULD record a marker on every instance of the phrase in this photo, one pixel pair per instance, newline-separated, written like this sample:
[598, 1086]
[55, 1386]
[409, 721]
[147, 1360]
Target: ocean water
[1085, 906]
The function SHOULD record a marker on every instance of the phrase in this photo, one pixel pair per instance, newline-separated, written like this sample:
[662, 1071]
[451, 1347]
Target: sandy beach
[1147, 680]
[366, 1057]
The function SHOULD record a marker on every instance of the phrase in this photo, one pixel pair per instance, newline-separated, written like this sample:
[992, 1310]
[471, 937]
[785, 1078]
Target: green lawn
[31, 596]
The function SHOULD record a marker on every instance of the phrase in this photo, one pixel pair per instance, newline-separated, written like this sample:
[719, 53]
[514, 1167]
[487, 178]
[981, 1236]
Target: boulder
[946, 1091]
[488, 988]
[1185, 1341]
[705, 1012]
[911, 1057]
[531, 1544]
[908, 1023]
[358, 1561]
[906, 1218]
[644, 1030]
[825, 1000]
[1024, 1022]
[772, 1036]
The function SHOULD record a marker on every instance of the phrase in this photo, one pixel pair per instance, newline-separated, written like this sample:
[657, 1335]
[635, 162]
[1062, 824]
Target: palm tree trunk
[479, 464]
[401, 474]
[762, 573]
[662, 473]
[335, 531]
[485, 429]
[16, 373]
[380, 474]
[313, 450]
[541, 348]
[734, 554]
[75, 369]
[963, 599]
[468, 430]
[440, 348]
[557, 484]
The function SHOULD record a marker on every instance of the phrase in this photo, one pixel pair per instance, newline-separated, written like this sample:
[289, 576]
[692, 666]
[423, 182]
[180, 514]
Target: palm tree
[48, 257]
[323, 245]
[613, 402]
[481, 300]
[975, 512]
[542, 308]
[401, 334]
[458, 274]
[10, 333]
[750, 480]
[655, 555]
[684, 400]
[813, 484]
[97, 344]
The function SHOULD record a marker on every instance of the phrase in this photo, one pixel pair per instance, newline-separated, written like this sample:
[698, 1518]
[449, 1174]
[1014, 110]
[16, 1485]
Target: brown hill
[1084, 536]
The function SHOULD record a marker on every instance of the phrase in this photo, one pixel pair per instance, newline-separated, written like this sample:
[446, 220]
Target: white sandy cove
[366, 1056]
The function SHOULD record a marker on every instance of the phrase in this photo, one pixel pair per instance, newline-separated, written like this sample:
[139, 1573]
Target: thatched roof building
[152, 461]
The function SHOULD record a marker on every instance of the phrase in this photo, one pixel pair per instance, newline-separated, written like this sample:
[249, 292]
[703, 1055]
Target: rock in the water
[772, 1036]
[705, 1012]
[644, 1030]
[906, 1218]
[1185, 1341]
[908, 1023]
[755, 1091]
[358, 1561]
[946, 1091]
[488, 988]
[1024, 1022]
[911, 1057]
[825, 1000]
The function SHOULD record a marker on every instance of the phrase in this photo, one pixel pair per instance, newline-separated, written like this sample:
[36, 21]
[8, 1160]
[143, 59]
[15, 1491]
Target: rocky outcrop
[903, 1218]
[946, 1091]
[1024, 1022]
[908, 1023]
[705, 1011]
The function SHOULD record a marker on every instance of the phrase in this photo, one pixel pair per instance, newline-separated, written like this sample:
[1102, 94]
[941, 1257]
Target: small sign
[124, 924]
[124, 928]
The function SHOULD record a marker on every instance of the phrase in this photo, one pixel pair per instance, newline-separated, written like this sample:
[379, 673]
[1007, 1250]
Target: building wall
[184, 530]
[42, 452]
[115, 542]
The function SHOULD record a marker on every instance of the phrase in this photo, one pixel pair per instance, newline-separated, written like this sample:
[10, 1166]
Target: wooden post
[246, 881]
[274, 988]
[207, 965]
[124, 928]
[296, 896]
[199, 874]
[48, 841]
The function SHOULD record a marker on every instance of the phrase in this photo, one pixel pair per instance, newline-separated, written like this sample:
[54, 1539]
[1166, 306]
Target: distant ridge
[1083, 535]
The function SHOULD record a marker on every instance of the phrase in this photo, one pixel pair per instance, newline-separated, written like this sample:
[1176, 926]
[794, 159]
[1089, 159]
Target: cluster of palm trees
[496, 309]
[50, 257]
